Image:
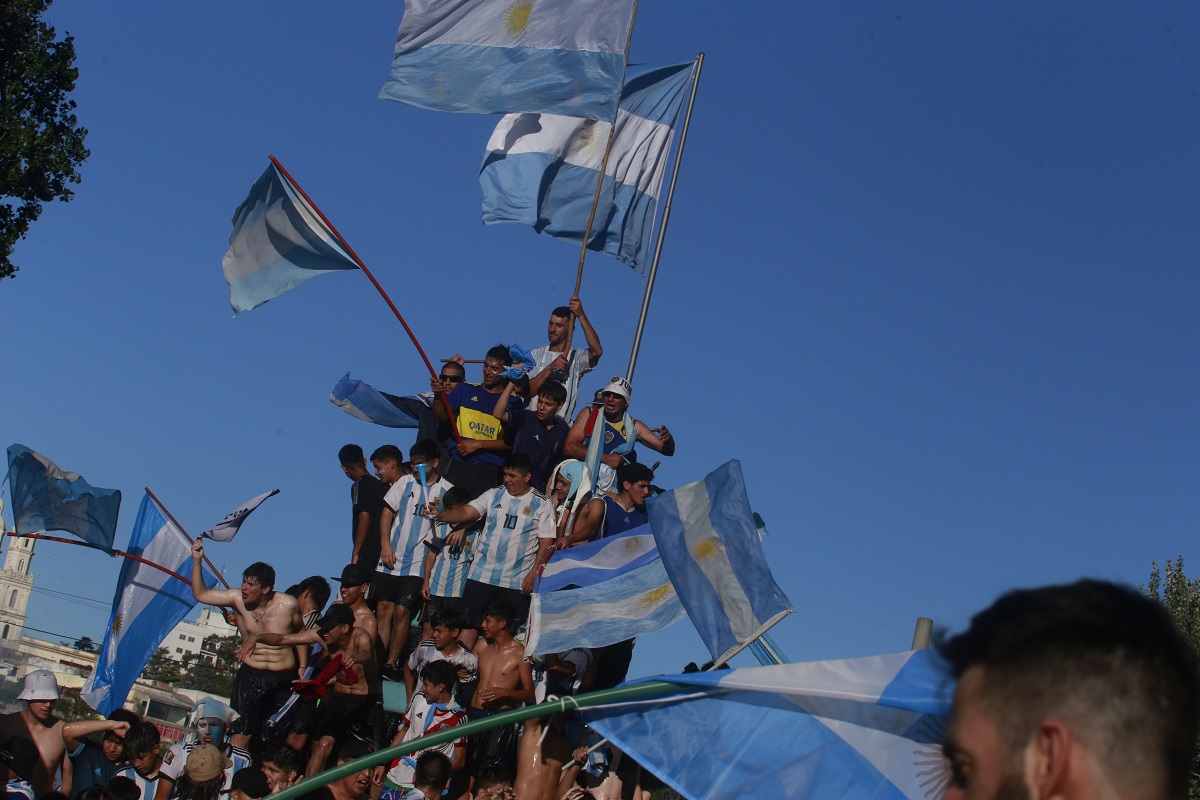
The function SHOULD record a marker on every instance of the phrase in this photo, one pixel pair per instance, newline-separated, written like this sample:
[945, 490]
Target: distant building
[188, 637]
[16, 582]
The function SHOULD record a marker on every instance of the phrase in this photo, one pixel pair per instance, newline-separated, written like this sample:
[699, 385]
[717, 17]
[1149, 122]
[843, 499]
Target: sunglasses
[450, 378]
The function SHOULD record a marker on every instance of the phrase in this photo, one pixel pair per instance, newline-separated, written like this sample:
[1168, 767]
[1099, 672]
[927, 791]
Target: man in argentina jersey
[403, 527]
[517, 537]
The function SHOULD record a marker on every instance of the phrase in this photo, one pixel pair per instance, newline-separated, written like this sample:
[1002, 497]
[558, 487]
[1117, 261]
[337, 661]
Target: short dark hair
[519, 461]
[449, 618]
[425, 448]
[500, 351]
[318, 587]
[350, 455]
[123, 715]
[501, 611]
[283, 756]
[141, 739]
[457, 496]
[96, 792]
[388, 452]
[562, 312]
[554, 392]
[353, 749]
[632, 473]
[1105, 659]
[262, 572]
[120, 787]
[433, 769]
[457, 367]
[440, 673]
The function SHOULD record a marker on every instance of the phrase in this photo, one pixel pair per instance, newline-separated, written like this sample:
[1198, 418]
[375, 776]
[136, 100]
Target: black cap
[251, 782]
[21, 756]
[337, 614]
[356, 575]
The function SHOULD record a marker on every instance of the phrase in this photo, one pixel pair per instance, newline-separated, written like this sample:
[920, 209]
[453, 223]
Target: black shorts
[304, 716]
[256, 695]
[493, 750]
[359, 715]
[478, 596]
[401, 590]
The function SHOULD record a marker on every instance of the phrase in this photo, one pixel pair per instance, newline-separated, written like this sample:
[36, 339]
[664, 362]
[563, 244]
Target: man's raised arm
[589, 333]
[201, 592]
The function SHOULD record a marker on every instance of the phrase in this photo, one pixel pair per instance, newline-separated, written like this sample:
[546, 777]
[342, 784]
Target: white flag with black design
[226, 529]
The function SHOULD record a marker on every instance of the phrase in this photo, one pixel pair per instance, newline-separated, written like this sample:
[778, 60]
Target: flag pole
[120, 553]
[662, 229]
[740, 646]
[375, 283]
[179, 527]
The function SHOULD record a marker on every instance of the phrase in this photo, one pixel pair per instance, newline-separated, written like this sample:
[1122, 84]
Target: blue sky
[931, 275]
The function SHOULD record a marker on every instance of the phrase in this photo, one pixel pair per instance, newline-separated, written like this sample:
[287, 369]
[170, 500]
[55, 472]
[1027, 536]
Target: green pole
[620, 694]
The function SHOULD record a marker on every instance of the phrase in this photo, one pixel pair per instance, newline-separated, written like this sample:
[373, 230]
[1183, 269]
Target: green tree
[162, 667]
[41, 146]
[85, 644]
[72, 708]
[1181, 595]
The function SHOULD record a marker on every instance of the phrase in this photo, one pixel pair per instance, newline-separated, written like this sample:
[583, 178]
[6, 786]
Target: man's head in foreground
[1077, 691]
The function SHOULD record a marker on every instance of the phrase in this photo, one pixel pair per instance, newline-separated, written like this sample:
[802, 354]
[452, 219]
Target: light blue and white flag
[278, 242]
[860, 729]
[710, 547]
[501, 56]
[360, 400]
[147, 605]
[45, 498]
[622, 591]
[226, 529]
[541, 169]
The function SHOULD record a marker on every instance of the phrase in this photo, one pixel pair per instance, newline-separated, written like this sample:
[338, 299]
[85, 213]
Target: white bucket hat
[40, 685]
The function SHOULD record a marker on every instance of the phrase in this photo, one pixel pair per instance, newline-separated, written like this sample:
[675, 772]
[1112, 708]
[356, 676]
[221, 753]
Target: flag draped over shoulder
[710, 547]
[148, 603]
[500, 56]
[541, 170]
[226, 529]
[601, 593]
[45, 498]
[278, 242]
[860, 729]
[360, 400]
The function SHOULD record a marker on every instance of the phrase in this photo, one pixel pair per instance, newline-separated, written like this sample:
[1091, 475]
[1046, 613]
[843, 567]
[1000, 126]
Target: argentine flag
[541, 170]
[46, 498]
[147, 605]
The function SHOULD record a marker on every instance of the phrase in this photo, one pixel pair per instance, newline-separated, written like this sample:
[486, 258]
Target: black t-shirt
[367, 495]
[543, 445]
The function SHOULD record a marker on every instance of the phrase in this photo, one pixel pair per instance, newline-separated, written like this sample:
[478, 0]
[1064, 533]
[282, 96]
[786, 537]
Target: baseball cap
[206, 762]
[40, 685]
[619, 385]
[20, 755]
[337, 614]
[356, 575]
[250, 781]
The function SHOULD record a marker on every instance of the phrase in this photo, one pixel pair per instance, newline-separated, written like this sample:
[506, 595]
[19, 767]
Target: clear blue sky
[931, 275]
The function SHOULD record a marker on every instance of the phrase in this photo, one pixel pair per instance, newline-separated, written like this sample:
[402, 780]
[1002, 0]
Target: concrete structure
[16, 582]
[188, 637]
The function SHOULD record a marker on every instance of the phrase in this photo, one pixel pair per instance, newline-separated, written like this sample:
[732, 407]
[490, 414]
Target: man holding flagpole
[555, 362]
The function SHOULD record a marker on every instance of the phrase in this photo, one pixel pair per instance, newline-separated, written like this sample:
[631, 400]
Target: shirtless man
[505, 681]
[263, 682]
[355, 580]
[357, 702]
[38, 724]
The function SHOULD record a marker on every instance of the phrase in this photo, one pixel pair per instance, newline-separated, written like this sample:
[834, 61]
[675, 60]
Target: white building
[188, 637]
[16, 581]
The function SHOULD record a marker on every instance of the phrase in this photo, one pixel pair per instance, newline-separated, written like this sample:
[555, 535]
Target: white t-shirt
[578, 366]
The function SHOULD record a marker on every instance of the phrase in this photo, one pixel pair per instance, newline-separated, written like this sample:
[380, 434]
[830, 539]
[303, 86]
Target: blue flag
[45, 498]
[541, 170]
[710, 546]
[278, 242]
[148, 603]
[498, 56]
[860, 729]
[362, 401]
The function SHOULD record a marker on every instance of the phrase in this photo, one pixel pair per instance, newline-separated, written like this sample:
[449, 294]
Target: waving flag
[541, 169]
[278, 242]
[147, 605]
[360, 400]
[619, 590]
[45, 498]
[710, 547]
[861, 729]
[498, 56]
[226, 529]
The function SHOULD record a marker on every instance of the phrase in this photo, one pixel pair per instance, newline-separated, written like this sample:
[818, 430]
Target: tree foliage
[85, 644]
[41, 146]
[1181, 596]
[162, 667]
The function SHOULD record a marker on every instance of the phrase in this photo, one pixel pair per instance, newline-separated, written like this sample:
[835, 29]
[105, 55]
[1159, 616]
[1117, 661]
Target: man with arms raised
[619, 432]
[1079, 691]
[263, 682]
[554, 363]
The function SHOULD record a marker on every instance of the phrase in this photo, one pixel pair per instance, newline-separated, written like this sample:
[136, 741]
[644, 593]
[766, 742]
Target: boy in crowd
[448, 561]
[444, 646]
[388, 462]
[212, 730]
[554, 363]
[518, 534]
[538, 434]
[505, 682]
[145, 759]
[93, 764]
[281, 765]
[356, 579]
[431, 777]
[476, 459]
[433, 710]
[399, 576]
[366, 506]
[249, 783]
[619, 432]
[627, 510]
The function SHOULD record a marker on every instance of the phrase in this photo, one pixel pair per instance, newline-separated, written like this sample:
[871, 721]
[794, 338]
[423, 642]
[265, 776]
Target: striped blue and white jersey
[410, 528]
[448, 577]
[507, 547]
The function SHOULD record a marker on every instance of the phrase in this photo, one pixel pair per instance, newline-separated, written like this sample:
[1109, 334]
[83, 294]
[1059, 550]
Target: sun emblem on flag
[929, 759]
[516, 17]
[117, 622]
[705, 549]
[656, 596]
[631, 546]
[588, 140]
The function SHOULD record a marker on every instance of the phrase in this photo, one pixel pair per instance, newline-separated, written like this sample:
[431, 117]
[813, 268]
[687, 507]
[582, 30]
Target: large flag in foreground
[711, 549]
[500, 56]
[278, 242]
[226, 529]
[860, 729]
[601, 593]
[147, 605]
[541, 169]
[45, 498]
